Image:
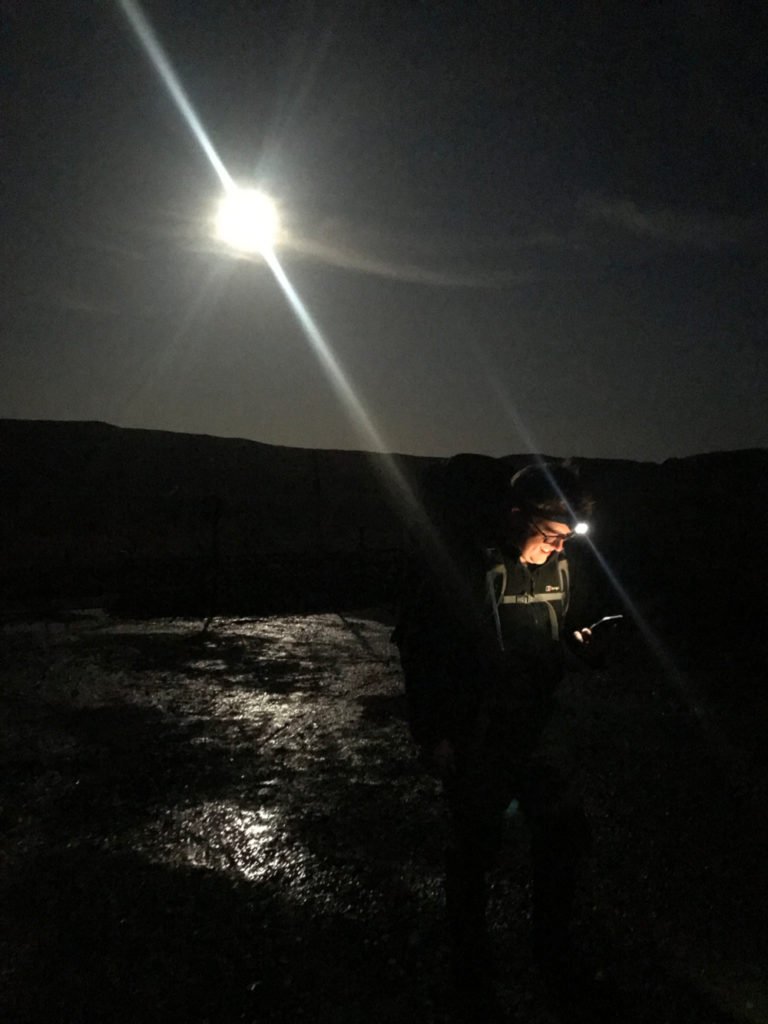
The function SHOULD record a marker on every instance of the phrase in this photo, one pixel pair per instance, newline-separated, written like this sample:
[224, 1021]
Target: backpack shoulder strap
[550, 594]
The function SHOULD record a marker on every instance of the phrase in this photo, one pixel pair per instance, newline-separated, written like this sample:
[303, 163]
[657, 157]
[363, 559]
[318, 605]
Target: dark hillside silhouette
[145, 522]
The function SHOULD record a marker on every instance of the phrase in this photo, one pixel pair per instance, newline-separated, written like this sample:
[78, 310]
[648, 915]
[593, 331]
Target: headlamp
[566, 518]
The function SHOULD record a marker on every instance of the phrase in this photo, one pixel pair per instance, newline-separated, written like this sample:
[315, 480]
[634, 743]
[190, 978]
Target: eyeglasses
[553, 539]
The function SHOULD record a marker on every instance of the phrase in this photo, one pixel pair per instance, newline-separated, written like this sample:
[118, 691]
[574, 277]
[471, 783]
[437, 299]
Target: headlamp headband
[553, 517]
[567, 518]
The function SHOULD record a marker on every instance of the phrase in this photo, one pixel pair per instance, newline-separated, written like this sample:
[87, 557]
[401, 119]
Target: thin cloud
[681, 228]
[442, 259]
[406, 270]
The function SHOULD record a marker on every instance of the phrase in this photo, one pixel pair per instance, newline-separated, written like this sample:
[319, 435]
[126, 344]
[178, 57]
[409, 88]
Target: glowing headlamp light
[578, 526]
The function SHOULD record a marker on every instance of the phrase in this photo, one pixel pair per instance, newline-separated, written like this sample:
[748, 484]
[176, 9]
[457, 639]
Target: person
[483, 635]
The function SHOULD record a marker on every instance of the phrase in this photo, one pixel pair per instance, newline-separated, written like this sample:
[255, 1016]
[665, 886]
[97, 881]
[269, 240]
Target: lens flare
[253, 235]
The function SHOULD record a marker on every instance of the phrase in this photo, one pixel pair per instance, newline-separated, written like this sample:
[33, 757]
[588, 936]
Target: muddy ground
[231, 825]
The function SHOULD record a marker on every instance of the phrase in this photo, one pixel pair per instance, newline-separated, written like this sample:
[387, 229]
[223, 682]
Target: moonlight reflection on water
[241, 809]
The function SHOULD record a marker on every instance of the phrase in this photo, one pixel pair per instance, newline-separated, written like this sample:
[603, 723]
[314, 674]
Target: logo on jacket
[549, 588]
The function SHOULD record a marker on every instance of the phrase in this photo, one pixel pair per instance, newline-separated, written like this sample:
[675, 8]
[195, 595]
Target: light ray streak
[325, 355]
[400, 491]
[652, 641]
[163, 66]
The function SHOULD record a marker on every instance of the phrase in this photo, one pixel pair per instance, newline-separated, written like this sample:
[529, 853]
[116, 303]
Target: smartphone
[605, 619]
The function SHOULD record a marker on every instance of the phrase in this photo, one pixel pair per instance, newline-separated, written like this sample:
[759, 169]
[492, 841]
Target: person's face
[543, 538]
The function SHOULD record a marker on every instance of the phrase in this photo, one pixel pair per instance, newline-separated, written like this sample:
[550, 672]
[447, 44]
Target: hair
[552, 491]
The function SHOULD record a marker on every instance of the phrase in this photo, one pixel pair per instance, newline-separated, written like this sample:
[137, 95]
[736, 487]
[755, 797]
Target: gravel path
[230, 825]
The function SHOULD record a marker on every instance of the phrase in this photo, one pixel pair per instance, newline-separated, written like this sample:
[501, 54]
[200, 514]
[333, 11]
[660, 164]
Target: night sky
[518, 226]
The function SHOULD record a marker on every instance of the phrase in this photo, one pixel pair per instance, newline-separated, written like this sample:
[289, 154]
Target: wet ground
[231, 825]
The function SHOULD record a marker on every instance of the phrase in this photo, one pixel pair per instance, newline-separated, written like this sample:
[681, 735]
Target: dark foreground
[231, 826]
